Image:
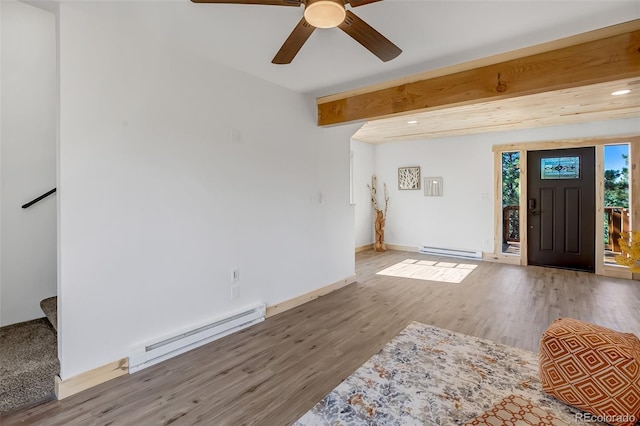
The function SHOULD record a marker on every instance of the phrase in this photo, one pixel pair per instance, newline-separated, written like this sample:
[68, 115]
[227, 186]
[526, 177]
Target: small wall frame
[409, 178]
[433, 187]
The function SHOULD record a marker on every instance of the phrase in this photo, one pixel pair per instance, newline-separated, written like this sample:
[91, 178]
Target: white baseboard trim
[307, 297]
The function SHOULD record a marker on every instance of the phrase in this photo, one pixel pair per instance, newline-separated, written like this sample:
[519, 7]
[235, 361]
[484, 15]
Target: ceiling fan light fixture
[324, 13]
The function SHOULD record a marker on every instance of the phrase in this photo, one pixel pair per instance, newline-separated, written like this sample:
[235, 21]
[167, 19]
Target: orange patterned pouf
[593, 368]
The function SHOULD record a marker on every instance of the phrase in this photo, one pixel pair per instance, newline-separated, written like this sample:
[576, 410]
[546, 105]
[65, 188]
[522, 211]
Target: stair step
[28, 351]
[50, 308]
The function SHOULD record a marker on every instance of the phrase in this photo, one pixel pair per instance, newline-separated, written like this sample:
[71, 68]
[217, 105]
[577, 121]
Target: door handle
[532, 207]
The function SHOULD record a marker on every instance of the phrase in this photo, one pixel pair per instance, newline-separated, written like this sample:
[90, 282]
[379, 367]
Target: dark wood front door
[561, 208]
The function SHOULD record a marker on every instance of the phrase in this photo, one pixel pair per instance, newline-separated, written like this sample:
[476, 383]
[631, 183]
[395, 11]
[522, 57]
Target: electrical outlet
[235, 292]
[235, 275]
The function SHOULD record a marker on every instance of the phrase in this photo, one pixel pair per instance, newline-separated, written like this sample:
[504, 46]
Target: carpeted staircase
[50, 308]
[29, 359]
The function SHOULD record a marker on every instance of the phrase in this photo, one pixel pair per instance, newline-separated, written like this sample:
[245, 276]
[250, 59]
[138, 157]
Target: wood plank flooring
[274, 372]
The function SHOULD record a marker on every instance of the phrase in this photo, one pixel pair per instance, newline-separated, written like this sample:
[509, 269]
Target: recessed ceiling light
[621, 92]
[412, 122]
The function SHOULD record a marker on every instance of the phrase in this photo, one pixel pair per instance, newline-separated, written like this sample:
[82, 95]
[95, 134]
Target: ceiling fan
[325, 14]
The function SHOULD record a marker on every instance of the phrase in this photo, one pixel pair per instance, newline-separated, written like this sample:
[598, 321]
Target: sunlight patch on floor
[428, 270]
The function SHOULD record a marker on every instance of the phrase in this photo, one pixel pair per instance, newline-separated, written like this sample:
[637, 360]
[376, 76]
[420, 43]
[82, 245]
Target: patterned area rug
[516, 411]
[430, 376]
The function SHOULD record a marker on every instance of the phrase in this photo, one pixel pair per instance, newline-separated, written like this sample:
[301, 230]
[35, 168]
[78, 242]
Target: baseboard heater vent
[169, 346]
[440, 251]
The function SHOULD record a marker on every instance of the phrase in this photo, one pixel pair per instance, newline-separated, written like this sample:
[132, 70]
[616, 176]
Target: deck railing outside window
[510, 224]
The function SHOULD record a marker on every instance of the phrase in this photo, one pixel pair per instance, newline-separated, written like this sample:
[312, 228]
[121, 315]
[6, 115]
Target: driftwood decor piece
[381, 216]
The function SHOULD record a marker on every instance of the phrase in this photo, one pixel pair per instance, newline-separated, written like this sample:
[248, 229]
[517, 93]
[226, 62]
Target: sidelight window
[616, 198]
[511, 202]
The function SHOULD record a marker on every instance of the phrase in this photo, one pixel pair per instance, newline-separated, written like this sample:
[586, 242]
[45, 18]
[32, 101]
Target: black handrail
[35, 200]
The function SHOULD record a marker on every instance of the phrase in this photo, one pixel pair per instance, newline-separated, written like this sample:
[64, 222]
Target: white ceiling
[432, 34]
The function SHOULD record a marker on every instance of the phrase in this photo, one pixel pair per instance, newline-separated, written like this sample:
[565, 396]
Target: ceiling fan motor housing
[324, 13]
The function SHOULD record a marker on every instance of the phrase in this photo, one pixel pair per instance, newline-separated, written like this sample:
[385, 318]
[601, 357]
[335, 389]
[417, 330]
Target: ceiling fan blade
[356, 3]
[364, 34]
[293, 43]
[264, 2]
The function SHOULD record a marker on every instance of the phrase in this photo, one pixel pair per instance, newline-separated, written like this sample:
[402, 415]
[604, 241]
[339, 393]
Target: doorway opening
[614, 179]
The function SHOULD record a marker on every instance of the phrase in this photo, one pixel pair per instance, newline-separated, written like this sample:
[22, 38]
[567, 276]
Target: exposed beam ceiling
[576, 105]
[605, 55]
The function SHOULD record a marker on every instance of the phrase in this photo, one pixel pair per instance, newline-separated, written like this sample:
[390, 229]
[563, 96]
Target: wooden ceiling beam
[615, 55]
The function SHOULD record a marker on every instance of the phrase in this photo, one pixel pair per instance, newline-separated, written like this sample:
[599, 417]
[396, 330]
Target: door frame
[598, 143]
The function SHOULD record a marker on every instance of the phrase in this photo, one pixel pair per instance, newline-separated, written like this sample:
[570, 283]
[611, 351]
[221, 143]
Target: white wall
[158, 204]
[363, 169]
[28, 160]
[463, 217]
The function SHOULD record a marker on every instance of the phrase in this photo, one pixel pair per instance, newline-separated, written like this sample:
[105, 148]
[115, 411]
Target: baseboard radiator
[169, 346]
[440, 251]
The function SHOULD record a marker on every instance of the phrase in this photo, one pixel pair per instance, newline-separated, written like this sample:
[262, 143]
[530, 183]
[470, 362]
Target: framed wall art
[433, 187]
[409, 178]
